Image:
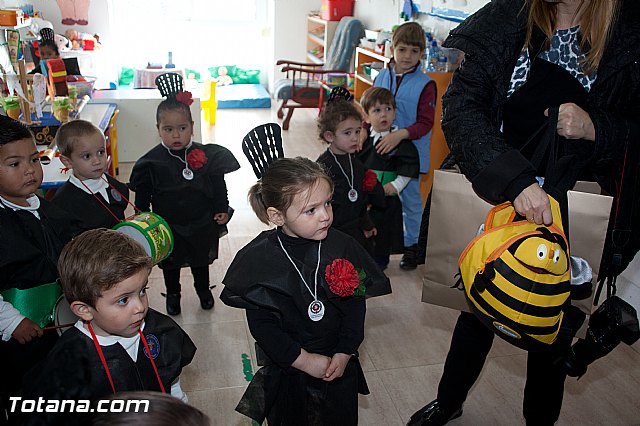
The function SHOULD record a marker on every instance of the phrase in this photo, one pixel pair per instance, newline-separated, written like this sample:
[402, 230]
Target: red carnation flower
[197, 158]
[342, 277]
[185, 97]
[369, 181]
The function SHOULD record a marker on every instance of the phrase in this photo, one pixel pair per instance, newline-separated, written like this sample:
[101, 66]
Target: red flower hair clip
[342, 277]
[369, 181]
[185, 97]
[196, 158]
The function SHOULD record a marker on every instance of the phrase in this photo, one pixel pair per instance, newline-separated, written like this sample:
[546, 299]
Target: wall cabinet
[319, 36]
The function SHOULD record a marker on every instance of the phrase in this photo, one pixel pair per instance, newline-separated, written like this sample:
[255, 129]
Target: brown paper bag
[457, 212]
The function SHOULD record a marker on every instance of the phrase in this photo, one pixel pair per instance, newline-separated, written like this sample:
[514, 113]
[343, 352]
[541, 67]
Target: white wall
[287, 20]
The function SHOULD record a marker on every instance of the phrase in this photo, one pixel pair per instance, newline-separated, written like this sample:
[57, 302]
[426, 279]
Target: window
[199, 33]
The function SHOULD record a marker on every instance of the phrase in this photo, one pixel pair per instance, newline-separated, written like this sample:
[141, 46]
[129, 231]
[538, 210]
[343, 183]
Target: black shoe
[206, 299]
[409, 259]
[432, 414]
[173, 304]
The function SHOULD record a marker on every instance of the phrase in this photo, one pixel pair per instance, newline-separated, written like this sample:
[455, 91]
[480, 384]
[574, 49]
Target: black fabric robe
[88, 210]
[262, 280]
[405, 161]
[73, 369]
[349, 217]
[188, 206]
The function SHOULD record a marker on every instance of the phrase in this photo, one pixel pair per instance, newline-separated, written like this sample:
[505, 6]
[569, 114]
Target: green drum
[151, 231]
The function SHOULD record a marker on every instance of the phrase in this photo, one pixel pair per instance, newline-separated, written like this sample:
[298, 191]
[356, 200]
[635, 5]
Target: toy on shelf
[81, 40]
[61, 107]
[57, 77]
[223, 79]
[11, 106]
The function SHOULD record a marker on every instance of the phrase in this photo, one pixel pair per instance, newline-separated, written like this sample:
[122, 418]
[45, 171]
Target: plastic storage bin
[334, 10]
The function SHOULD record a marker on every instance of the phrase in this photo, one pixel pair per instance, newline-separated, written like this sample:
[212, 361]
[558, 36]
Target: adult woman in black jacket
[522, 57]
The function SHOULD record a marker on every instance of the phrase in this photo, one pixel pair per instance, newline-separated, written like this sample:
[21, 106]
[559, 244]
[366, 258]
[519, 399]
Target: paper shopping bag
[456, 214]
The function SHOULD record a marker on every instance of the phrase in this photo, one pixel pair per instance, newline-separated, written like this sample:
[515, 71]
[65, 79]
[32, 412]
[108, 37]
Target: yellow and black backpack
[516, 277]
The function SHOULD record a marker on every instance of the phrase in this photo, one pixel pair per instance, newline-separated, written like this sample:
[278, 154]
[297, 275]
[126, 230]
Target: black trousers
[200, 279]
[470, 345]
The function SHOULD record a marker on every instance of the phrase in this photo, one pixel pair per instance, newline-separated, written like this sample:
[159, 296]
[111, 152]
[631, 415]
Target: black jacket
[473, 105]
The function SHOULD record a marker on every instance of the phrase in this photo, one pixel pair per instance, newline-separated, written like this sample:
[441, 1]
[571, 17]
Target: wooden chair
[301, 86]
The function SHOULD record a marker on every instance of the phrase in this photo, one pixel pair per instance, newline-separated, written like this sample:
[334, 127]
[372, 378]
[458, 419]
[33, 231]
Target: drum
[63, 317]
[151, 231]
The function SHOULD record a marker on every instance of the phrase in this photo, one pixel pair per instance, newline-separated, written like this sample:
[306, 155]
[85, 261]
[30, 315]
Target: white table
[137, 132]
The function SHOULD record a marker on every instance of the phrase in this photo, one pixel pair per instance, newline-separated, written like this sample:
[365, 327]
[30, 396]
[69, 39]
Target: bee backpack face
[516, 277]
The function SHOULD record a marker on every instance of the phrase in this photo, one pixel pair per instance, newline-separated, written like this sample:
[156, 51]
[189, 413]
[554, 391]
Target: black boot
[409, 259]
[433, 414]
[173, 304]
[206, 299]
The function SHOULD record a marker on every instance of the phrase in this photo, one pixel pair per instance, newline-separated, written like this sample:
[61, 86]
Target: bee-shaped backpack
[516, 276]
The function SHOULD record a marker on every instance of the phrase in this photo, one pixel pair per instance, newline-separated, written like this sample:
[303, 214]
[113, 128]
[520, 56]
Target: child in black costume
[303, 287]
[91, 195]
[339, 125]
[32, 234]
[104, 274]
[394, 171]
[184, 183]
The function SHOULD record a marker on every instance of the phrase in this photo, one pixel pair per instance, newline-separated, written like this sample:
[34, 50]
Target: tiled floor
[406, 341]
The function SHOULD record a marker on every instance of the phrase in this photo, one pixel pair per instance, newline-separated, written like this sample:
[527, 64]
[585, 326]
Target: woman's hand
[390, 141]
[574, 122]
[533, 203]
[26, 331]
[336, 368]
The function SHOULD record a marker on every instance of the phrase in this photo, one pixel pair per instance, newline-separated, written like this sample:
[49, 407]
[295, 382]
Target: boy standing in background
[415, 95]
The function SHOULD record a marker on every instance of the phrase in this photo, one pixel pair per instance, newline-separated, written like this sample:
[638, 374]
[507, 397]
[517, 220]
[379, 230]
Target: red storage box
[334, 10]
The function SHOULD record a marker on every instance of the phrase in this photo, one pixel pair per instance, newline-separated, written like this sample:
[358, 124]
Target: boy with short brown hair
[394, 171]
[96, 199]
[125, 345]
[415, 95]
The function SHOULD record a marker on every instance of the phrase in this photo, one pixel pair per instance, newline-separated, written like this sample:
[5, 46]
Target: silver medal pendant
[352, 195]
[316, 310]
[116, 195]
[187, 174]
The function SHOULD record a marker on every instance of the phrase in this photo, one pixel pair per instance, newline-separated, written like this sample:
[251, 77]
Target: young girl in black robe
[339, 125]
[303, 286]
[183, 181]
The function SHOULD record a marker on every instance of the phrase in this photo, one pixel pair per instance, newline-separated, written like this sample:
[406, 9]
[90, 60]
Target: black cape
[29, 248]
[349, 217]
[188, 206]
[73, 369]
[262, 280]
[405, 161]
[88, 210]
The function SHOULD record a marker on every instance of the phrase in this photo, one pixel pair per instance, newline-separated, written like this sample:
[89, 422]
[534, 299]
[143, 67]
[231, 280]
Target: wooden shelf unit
[362, 80]
[319, 36]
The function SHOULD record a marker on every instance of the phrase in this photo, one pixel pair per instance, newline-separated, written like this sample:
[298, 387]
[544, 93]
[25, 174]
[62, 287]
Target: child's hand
[364, 134]
[221, 218]
[370, 233]
[390, 189]
[390, 141]
[26, 331]
[313, 364]
[336, 368]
